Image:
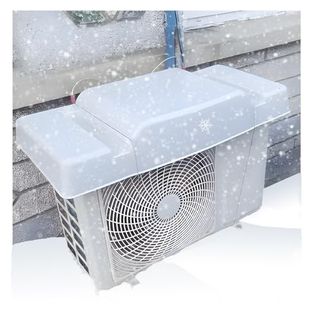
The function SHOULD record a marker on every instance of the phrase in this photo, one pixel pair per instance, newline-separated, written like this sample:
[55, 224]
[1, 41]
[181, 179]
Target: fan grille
[137, 233]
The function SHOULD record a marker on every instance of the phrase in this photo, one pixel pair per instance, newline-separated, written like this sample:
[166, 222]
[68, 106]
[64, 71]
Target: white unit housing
[144, 167]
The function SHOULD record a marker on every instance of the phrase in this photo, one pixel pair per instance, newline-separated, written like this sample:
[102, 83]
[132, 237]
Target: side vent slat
[72, 212]
[65, 224]
[71, 229]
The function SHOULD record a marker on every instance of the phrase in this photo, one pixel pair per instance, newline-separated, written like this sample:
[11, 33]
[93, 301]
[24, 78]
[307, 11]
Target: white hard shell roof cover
[131, 126]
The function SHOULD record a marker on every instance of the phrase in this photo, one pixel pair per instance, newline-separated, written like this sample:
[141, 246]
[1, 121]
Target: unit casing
[144, 167]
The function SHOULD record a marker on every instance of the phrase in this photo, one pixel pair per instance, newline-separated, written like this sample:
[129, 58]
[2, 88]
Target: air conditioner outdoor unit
[144, 167]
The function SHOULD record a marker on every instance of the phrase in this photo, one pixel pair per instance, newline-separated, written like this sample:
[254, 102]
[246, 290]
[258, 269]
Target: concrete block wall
[34, 212]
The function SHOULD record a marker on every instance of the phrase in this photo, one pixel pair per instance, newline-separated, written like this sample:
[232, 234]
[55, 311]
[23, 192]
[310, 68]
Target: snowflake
[205, 125]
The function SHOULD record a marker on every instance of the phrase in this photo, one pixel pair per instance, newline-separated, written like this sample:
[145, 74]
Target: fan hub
[168, 206]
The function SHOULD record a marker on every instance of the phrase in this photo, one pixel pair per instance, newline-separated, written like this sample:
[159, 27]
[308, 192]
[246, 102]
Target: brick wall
[34, 212]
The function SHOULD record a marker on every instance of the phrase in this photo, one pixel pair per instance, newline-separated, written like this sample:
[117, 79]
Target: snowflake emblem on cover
[205, 125]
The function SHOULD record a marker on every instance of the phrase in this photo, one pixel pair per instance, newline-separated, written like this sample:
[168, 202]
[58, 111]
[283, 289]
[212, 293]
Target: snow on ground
[257, 263]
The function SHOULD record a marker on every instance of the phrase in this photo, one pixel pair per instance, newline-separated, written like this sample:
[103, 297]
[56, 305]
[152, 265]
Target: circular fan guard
[138, 236]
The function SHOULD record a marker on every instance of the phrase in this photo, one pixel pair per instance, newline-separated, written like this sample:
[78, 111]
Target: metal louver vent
[71, 229]
[155, 214]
